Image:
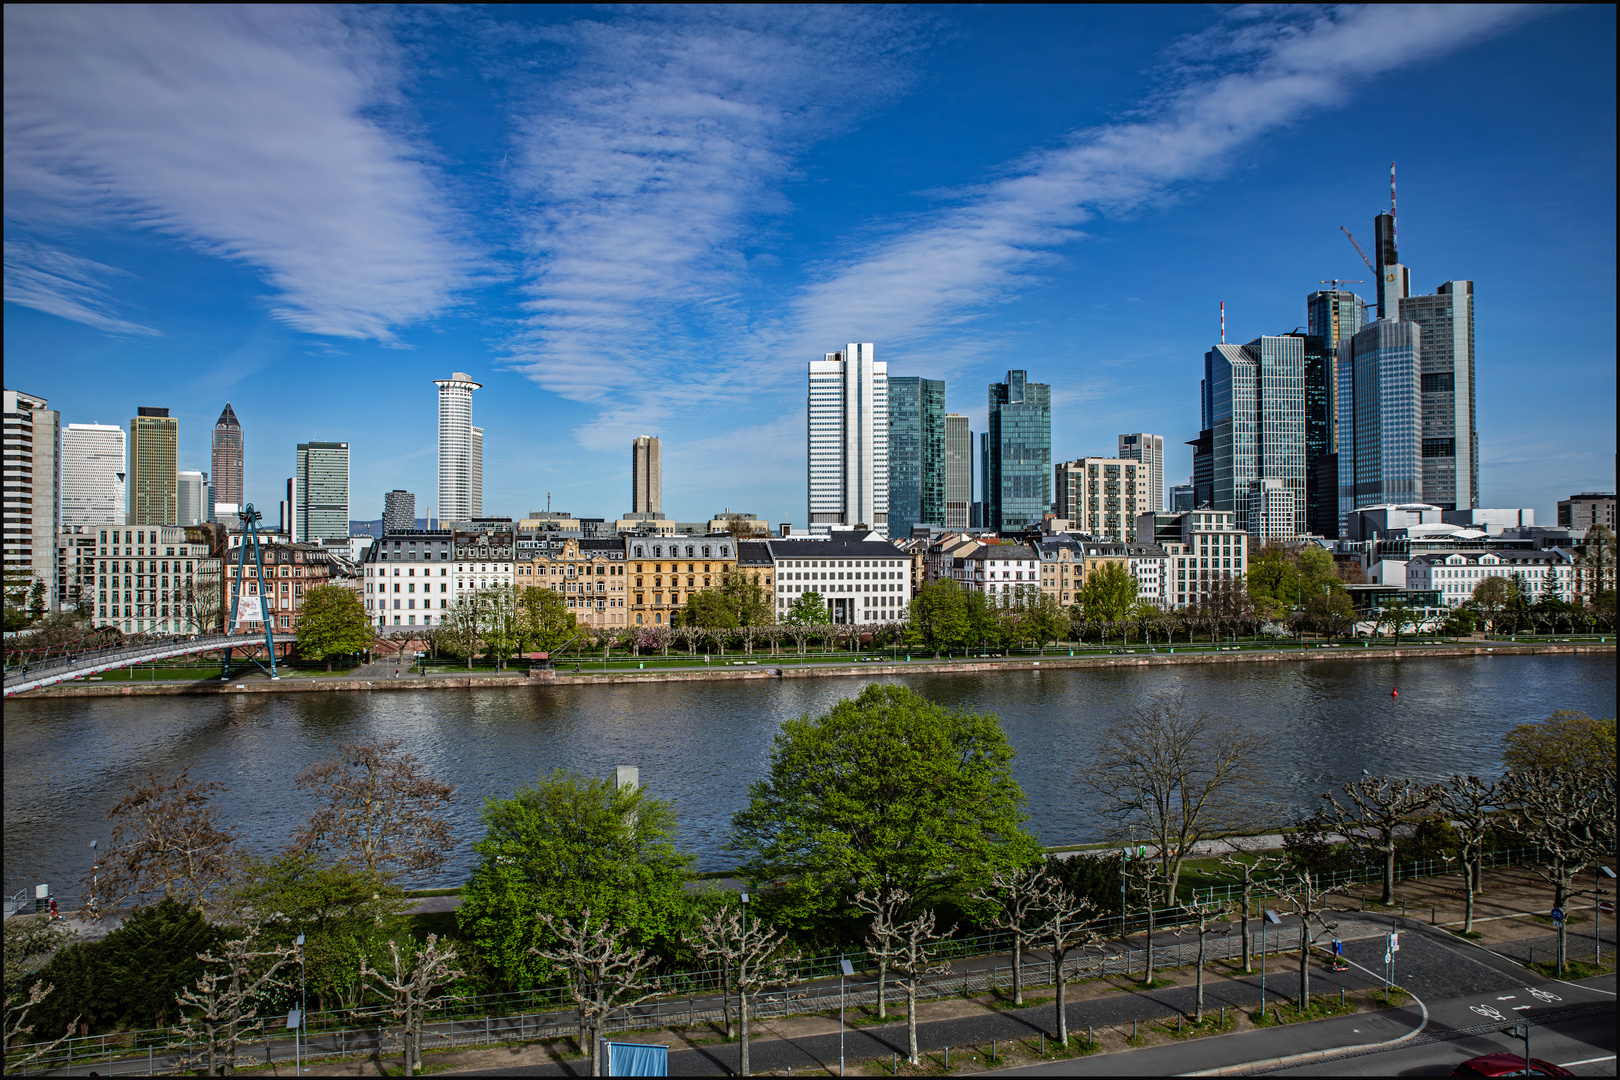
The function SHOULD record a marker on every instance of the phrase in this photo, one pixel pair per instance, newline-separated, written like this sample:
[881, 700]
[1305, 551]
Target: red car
[1508, 1065]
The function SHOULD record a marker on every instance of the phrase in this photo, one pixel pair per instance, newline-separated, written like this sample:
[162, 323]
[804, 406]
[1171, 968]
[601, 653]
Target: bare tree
[1020, 895]
[753, 957]
[884, 907]
[1204, 919]
[224, 1003]
[603, 975]
[1247, 871]
[411, 988]
[1306, 899]
[1070, 925]
[910, 956]
[1143, 878]
[166, 837]
[1177, 774]
[1569, 814]
[1468, 802]
[378, 809]
[17, 1026]
[1383, 806]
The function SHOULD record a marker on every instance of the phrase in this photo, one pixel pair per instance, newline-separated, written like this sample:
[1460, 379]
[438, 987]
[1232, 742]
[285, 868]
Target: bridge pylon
[250, 529]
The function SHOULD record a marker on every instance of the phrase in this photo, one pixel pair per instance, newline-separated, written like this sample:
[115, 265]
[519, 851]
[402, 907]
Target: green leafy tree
[503, 632]
[563, 846]
[941, 616]
[544, 622]
[18, 584]
[710, 609]
[1568, 741]
[1109, 593]
[1045, 621]
[1274, 581]
[746, 595]
[1317, 569]
[885, 791]
[332, 622]
[1399, 617]
[809, 609]
[1491, 598]
[1459, 622]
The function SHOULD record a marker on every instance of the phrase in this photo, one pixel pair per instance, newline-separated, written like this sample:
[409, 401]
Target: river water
[700, 744]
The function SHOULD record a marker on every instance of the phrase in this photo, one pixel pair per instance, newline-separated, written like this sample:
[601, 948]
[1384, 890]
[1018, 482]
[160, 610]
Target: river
[700, 744]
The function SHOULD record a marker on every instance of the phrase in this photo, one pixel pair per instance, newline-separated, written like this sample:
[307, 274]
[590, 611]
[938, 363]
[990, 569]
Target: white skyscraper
[475, 473]
[93, 470]
[849, 441]
[32, 438]
[456, 449]
[191, 497]
[1149, 450]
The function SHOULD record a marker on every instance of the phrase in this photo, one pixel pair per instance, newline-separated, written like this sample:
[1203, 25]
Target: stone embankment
[766, 669]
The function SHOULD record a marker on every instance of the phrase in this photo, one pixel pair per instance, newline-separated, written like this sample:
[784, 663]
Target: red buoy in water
[1394, 693]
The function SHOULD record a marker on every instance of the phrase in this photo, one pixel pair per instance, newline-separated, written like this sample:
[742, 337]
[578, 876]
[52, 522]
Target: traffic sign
[1557, 914]
[1394, 943]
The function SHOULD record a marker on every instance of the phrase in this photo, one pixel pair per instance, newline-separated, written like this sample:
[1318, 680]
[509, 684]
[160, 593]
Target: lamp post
[95, 877]
[303, 1006]
[1271, 917]
[844, 972]
[1521, 1031]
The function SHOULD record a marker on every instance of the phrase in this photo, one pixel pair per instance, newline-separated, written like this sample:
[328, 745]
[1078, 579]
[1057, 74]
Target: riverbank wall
[767, 670]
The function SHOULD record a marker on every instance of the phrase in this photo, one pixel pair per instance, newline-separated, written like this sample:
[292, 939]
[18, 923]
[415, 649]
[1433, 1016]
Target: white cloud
[249, 132]
[64, 285]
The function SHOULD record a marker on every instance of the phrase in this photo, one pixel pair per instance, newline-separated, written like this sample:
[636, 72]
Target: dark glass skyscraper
[916, 453]
[1019, 490]
[227, 460]
[1321, 500]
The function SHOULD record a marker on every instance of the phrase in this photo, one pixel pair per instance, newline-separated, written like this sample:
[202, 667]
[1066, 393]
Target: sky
[627, 221]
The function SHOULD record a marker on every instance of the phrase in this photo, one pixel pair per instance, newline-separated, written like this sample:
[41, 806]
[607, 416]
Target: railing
[33, 675]
[1405, 870]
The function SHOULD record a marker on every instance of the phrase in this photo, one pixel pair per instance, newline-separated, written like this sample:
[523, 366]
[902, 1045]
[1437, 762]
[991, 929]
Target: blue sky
[628, 221]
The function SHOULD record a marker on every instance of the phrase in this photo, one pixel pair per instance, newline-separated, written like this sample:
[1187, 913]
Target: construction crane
[1357, 246]
[1336, 282]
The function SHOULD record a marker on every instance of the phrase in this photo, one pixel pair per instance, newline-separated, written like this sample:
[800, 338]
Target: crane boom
[1357, 246]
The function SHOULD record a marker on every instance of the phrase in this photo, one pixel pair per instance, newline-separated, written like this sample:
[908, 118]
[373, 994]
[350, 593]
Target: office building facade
[1256, 405]
[1379, 406]
[1149, 450]
[958, 472]
[1445, 319]
[229, 455]
[1018, 489]
[848, 434]
[456, 449]
[1104, 496]
[321, 486]
[154, 439]
[647, 475]
[1587, 510]
[399, 512]
[916, 454]
[93, 472]
[191, 500]
[475, 472]
[32, 481]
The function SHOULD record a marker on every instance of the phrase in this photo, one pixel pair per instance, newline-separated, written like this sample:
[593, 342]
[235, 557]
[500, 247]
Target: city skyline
[941, 251]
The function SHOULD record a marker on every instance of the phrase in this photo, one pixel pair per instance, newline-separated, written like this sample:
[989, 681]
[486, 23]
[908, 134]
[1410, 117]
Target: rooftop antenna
[1392, 205]
[1336, 282]
[1223, 322]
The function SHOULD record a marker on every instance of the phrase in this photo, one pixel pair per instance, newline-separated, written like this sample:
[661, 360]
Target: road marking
[1506, 997]
[1516, 915]
[1587, 1061]
[1517, 1008]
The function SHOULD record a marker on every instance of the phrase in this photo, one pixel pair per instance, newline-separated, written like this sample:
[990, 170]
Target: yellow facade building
[665, 571]
[590, 575]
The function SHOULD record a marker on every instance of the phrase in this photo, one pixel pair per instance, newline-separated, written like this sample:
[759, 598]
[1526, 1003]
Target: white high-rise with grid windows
[1256, 410]
[93, 471]
[849, 441]
[458, 500]
[1149, 450]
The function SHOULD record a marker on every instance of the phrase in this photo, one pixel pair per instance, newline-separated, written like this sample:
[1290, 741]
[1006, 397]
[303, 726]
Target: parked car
[1508, 1065]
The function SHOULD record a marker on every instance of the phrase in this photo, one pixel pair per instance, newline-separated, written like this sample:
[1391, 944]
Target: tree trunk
[1468, 899]
[1062, 1013]
[1147, 973]
[1018, 969]
[1305, 962]
[911, 1017]
[725, 998]
[1248, 965]
[1198, 1012]
[883, 1004]
[1389, 871]
[742, 1007]
[596, 1058]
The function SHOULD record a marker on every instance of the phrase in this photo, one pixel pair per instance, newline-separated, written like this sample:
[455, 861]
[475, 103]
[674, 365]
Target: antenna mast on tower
[1223, 322]
[1392, 204]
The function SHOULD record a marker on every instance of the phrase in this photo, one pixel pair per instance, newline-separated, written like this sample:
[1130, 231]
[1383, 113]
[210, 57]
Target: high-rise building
[1019, 491]
[1321, 473]
[849, 441]
[1394, 280]
[322, 492]
[1256, 404]
[958, 472]
[647, 475]
[456, 449]
[399, 512]
[916, 453]
[32, 480]
[1103, 496]
[1334, 314]
[475, 472]
[154, 440]
[1445, 319]
[228, 457]
[1379, 406]
[93, 471]
[190, 497]
[1149, 450]
[1181, 498]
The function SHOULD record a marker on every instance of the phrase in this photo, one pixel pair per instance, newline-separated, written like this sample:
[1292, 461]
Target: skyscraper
[229, 454]
[1379, 405]
[456, 449]
[1149, 450]
[399, 511]
[1445, 320]
[93, 470]
[916, 453]
[1019, 488]
[1256, 401]
[154, 439]
[321, 492]
[32, 479]
[1321, 470]
[849, 441]
[958, 472]
[1103, 496]
[647, 475]
[1334, 314]
[475, 472]
[190, 497]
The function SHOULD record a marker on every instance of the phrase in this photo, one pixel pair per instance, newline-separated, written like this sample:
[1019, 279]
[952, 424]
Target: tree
[1566, 740]
[1226, 604]
[503, 622]
[1399, 616]
[332, 622]
[1570, 816]
[1595, 562]
[1019, 895]
[1306, 899]
[1491, 597]
[222, 1008]
[1468, 802]
[906, 946]
[709, 609]
[1204, 918]
[752, 958]
[467, 622]
[17, 1026]
[940, 616]
[884, 907]
[378, 810]
[1045, 621]
[886, 790]
[564, 846]
[1108, 593]
[1383, 806]
[1274, 582]
[746, 595]
[1247, 872]
[30, 942]
[808, 609]
[19, 583]
[1177, 774]
[411, 986]
[603, 975]
[543, 620]
[165, 837]
[1069, 925]
[201, 601]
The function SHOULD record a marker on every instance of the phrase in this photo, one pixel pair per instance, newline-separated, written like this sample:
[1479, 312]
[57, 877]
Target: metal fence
[1406, 870]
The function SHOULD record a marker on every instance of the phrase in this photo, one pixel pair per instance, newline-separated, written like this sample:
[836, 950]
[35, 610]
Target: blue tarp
[637, 1059]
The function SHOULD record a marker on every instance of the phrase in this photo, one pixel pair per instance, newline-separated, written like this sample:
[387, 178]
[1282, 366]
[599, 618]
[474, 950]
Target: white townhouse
[1003, 572]
[862, 578]
[1454, 575]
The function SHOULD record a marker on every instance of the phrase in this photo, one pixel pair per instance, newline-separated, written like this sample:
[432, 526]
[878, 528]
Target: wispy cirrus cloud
[64, 285]
[643, 172]
[248, 132]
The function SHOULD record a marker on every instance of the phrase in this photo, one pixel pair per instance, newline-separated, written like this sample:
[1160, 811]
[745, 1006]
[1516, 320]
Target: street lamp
[1271, 917]
[844, 972]
[303, 1006]
[1521, 1031]
[95, 878]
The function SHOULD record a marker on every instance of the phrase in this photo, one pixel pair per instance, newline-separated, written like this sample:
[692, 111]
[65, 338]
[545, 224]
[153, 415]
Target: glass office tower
[1256, 404]
[1378, 401]
[1019, 488]
[916, 453]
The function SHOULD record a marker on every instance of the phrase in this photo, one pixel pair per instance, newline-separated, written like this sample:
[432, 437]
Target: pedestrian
[1338, 956]
[54, 913]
